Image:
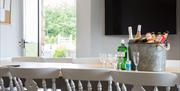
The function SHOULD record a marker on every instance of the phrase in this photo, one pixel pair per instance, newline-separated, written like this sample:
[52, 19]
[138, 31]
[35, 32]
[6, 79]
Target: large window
[57, 28]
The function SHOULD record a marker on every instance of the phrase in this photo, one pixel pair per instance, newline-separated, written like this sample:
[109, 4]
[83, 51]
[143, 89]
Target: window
[57, 28]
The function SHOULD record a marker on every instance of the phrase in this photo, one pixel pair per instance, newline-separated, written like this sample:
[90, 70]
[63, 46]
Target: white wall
[93, 33]
[83, 28]
[10, 34]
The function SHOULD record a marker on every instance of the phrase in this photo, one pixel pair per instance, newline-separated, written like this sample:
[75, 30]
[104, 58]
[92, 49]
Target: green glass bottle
[122, 55]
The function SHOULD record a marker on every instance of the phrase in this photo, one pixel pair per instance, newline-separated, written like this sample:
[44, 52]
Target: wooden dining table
[170, 68]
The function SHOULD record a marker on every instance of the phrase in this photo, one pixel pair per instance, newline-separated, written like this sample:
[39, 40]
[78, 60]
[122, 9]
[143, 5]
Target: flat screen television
[153, 15]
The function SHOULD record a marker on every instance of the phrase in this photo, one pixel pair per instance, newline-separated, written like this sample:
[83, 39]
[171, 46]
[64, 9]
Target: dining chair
[36, 73]
[58, 60]
[140, 79]
[88, 75]
[4, 72]
[27, 59]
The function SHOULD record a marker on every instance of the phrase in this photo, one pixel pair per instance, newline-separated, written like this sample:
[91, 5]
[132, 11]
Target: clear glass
[136, 60]
[112, 61]
[109, 60]
[102, 58]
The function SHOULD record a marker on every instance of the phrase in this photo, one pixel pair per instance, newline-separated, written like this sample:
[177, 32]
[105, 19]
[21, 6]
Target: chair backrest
[36, 73]
[27, 59]
[138, 79]
[4, 72]
[86, 60]
[86, 75]
[58, 60]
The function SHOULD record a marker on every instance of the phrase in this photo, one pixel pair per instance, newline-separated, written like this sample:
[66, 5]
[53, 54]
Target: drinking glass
[109, 60]
[102, 58]
[136, 59]
[114, 64]
[112, 60]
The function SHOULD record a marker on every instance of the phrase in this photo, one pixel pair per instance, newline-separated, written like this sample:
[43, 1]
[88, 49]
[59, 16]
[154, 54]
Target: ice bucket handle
[166, 47]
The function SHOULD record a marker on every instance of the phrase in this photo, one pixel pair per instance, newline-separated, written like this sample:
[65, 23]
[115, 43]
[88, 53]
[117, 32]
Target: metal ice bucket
[152, 57]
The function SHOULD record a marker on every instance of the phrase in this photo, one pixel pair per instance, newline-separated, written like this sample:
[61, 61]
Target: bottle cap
[130, 33]
[139, 28]
[130, 28]
[122, 41]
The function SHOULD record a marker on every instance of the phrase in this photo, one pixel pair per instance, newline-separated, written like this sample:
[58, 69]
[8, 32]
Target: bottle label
[123, 66]
[128, 65]
[121, 54]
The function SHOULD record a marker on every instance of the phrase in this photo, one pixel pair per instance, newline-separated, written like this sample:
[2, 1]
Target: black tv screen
[153, 15]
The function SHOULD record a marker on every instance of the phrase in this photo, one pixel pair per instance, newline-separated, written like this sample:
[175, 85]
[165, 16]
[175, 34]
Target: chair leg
[118, 87]
[44, 84]
[10, 82]
[138, 88]
[73, 86]
[89, 86]
[68, 85]
[54, 84]
[110, 86]
[20, 84]
[168, 88]
[124, 87]
[80, 86]
[99, 86]
[143, 88]
[31, 85]
[2, 84]
[178, 86]
[17, 84]
[155, 88]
